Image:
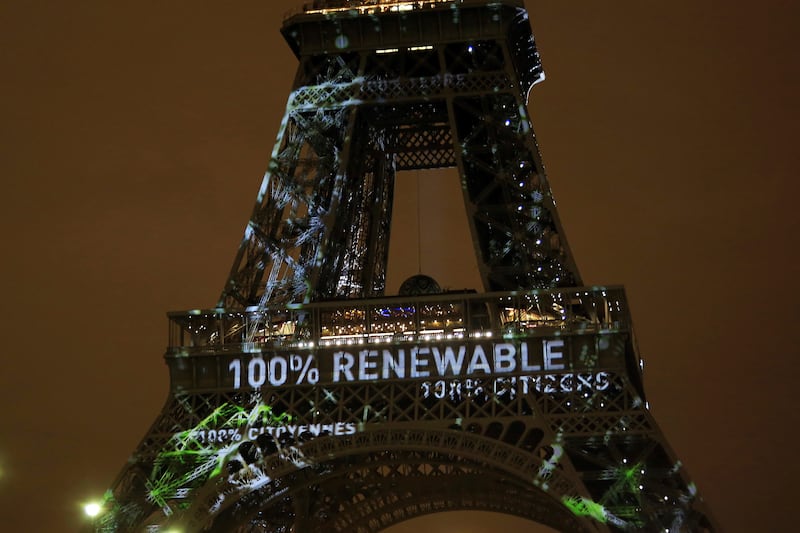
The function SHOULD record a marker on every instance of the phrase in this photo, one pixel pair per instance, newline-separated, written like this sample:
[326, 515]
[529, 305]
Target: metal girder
[355, 116]
[355, 467]
[596, 452]
[372, 492]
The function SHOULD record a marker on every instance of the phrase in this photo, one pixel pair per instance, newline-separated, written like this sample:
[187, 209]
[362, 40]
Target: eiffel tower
[309, 400]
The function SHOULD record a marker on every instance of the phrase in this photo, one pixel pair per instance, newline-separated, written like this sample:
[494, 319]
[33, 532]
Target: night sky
[135, 135]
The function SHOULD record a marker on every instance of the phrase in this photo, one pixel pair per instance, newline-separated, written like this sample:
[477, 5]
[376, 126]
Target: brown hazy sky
[134, 136]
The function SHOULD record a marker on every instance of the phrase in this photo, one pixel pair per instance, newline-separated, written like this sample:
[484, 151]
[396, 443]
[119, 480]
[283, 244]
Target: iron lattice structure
[308, 400]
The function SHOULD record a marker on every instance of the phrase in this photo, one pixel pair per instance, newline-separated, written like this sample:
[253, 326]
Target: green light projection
[193, 446]
[585, 507]
[194, 456]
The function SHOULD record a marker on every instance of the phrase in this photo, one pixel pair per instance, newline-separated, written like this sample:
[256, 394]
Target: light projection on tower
[308, 399]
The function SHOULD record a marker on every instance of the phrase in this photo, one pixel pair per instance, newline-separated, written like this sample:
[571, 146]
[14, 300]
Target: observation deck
[401, 319]
[533, 335]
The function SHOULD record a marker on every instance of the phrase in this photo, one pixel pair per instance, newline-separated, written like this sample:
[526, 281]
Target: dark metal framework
[380, 91]
[263, 431]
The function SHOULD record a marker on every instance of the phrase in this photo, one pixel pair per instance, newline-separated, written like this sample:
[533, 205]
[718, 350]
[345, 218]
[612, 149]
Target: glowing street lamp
[92, 509]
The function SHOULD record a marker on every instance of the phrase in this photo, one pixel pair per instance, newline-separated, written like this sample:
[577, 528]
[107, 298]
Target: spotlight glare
[92, 509]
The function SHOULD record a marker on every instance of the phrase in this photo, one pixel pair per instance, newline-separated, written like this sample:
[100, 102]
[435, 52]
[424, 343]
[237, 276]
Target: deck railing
[445, 316]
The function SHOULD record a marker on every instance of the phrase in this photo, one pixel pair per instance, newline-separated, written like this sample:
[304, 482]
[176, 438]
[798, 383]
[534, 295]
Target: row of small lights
[345, 339]
[613, 304]
[365, 8]
[557, 296]
[349, 341]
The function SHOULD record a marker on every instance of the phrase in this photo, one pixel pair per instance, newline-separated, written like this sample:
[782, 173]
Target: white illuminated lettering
[390, 364]
[257, 372]
[439, 389]
[479, 361]
[294, 431]
[417, 364]
[426, 389]
[585, 380]
[236, 368]
[526, 384]
[566, 382]
[602, 381]
[278, 371]
[343, 365]
[504, 360]
[549, 381]
[550, 354]
[526, 366]
[366, 362]
[505, 386]
[449, 359]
